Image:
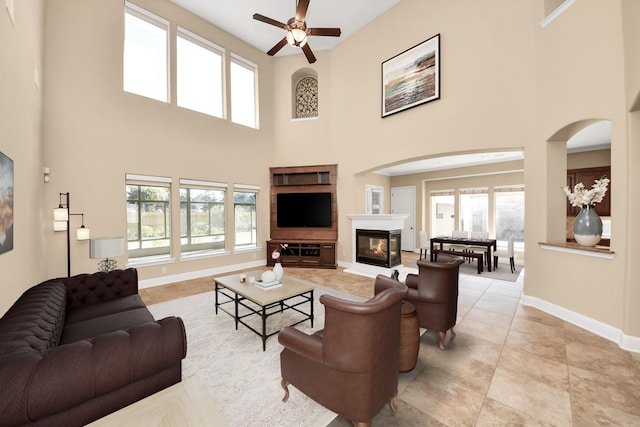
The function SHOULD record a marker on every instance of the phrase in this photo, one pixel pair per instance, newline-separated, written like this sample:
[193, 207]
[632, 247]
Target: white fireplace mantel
[377, 222]
[385, 222]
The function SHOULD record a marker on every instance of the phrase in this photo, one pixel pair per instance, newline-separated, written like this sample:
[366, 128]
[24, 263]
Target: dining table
[490, 244]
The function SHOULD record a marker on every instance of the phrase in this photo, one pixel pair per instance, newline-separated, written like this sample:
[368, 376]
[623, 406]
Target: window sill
[149, 261]
[244, 249]
[189, 256]
[574, 248]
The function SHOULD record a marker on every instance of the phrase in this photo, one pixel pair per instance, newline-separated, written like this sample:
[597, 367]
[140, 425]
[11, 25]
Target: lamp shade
[106, 247]
[59, 225]
[61, 214]
[83, 233]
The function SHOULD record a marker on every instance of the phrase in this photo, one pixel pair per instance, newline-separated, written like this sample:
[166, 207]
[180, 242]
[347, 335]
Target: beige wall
[21, 66]
[571, 88]
[95, 133]
[506, 83]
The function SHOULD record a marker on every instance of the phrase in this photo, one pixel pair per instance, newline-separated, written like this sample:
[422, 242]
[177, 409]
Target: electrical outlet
[164, 270]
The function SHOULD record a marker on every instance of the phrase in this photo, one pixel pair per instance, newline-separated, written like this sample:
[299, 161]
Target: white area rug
[243, 380]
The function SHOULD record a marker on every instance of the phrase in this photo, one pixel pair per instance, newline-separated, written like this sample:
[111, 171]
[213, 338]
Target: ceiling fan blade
[270, 21]
[308, 53]
[277, 47]
[333, 32]
[301, 10]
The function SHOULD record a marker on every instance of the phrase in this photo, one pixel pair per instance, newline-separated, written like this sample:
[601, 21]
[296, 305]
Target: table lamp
[105, 248]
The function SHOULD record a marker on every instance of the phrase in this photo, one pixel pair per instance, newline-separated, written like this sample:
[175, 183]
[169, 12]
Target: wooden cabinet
[316, 254]
[588, 176]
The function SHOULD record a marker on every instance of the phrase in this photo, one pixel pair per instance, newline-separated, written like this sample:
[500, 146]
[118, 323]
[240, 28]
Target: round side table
[409, 337]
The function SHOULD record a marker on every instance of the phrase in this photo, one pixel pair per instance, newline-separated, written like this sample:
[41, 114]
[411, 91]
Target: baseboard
[164, 280]
[626, 342]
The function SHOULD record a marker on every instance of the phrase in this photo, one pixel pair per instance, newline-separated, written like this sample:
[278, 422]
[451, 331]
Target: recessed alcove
[304, 94]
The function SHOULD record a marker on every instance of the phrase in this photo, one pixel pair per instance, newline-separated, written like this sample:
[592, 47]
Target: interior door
[403, 201]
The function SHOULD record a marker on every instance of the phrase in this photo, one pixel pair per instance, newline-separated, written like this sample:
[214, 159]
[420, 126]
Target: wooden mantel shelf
[571, 247]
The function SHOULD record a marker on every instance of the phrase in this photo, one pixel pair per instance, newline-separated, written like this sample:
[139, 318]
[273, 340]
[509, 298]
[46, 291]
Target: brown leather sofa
[351, 366]
[75, 349]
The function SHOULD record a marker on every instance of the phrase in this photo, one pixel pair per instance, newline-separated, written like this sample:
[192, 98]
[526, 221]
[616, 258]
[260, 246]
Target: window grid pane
[245, 216]
[148, 220]
[442, 215]
[474, 212]
[199, 78]
[202, 216]
[145, 60]
[243, 95]
[509, 217]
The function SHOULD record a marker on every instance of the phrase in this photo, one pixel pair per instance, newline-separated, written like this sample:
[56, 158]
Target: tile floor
[508, 365]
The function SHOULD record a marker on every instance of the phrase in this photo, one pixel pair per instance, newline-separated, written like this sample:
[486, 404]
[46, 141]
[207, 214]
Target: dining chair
[508, 253]
[457, 246]
[472, 248]
[424, 244]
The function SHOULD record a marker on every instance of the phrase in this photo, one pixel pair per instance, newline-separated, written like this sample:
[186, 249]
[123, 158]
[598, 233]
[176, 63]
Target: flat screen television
[302, 210]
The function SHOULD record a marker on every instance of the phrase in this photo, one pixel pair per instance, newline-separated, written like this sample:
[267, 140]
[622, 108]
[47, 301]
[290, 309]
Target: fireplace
[378, 247]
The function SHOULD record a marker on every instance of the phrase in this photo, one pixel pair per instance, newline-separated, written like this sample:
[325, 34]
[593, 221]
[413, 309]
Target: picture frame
[6, 203]
[412, 77]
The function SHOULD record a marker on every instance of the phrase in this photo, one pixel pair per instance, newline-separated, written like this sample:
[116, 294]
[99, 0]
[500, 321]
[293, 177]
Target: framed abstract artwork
[412, 77]
[6, 204]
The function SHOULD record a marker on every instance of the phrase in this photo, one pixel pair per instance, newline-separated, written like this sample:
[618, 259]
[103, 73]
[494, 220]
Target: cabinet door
[588, 176]
[328, 254]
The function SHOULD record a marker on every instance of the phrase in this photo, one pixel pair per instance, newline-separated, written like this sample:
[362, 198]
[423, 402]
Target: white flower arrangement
[583, 197]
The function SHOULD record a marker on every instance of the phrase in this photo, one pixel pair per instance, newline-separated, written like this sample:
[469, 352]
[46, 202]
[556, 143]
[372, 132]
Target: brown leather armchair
[434, 293]
[351, 366]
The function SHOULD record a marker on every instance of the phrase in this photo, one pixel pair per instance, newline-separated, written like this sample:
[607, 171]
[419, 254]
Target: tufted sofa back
[86, 289]
[35, 321]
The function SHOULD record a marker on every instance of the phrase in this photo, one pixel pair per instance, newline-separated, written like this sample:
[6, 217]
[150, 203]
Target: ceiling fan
[297, 31]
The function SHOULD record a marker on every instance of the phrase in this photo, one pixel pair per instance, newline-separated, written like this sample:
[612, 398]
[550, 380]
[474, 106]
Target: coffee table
[263, 302]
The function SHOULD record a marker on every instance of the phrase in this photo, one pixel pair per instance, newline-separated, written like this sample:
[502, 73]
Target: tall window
[243, 91]
[145, 53]
[148, 216]
[245, 216]
[474, 209]
[375, 199]
[443, 204]
[202, 216]
[199, 75]
[509, 214]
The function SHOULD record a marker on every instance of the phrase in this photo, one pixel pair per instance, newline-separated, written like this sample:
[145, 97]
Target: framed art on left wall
[411, 78]
[6, 204]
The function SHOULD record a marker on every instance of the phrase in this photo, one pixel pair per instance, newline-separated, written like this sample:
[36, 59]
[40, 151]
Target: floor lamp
[61, 216]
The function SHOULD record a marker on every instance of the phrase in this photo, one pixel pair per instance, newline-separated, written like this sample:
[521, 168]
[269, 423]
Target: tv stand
[303, 253]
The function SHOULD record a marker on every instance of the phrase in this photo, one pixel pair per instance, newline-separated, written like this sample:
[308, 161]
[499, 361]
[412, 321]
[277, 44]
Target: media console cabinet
[298, 253]
[307, 245]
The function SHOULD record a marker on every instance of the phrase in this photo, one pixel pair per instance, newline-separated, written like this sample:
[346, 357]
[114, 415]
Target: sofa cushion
[108, 323]
[85, 289]
[36, 319]
[90, 311]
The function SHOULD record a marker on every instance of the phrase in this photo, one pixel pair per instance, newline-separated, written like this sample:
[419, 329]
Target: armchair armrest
[308, 346]
[411, 281]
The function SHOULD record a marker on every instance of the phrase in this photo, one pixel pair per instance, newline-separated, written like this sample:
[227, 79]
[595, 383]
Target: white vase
[277, 269]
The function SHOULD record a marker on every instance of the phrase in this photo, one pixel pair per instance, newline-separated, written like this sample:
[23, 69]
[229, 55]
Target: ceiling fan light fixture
[296, 37]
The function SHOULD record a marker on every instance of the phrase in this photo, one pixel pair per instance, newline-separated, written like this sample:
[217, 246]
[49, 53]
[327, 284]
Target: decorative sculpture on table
[277, 268]
[587, 229]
